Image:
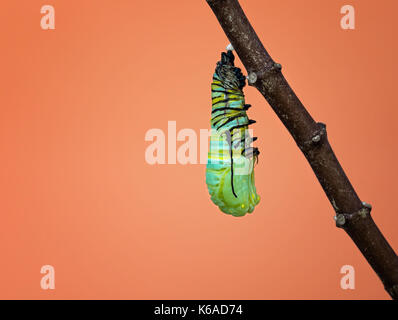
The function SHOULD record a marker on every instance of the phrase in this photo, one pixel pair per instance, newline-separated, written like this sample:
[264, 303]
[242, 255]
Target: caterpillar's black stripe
[232, 163]
[220, 86]
[226, 92]
[227, 108]
[222, 116]
[245, 107]
[226, 100]
[228, 121]
[242, 125]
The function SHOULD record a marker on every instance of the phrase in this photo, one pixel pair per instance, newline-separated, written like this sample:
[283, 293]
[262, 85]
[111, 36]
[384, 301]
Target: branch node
[230, 47]
[362, 213]
[252, 78]
[319, 133]
[277, 67]
[317, 137]
[340, 220]
[367, 205]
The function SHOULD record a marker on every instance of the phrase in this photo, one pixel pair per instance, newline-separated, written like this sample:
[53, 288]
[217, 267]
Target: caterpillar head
[230, 75]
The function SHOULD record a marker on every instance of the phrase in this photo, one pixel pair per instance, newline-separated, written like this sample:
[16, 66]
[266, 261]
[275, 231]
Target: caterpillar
[231, 159]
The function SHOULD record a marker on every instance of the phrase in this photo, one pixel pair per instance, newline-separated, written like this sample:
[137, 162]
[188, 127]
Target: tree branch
[352, 214]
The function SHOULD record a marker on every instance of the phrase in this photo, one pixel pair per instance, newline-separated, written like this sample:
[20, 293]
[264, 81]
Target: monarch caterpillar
[230, 162]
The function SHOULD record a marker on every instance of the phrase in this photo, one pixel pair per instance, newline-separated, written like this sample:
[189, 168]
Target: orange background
[76, 192]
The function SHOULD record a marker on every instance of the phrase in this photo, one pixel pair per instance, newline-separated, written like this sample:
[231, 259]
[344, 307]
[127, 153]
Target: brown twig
[352, 214]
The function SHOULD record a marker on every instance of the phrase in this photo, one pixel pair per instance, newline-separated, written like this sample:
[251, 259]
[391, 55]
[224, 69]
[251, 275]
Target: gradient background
[76, 192]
